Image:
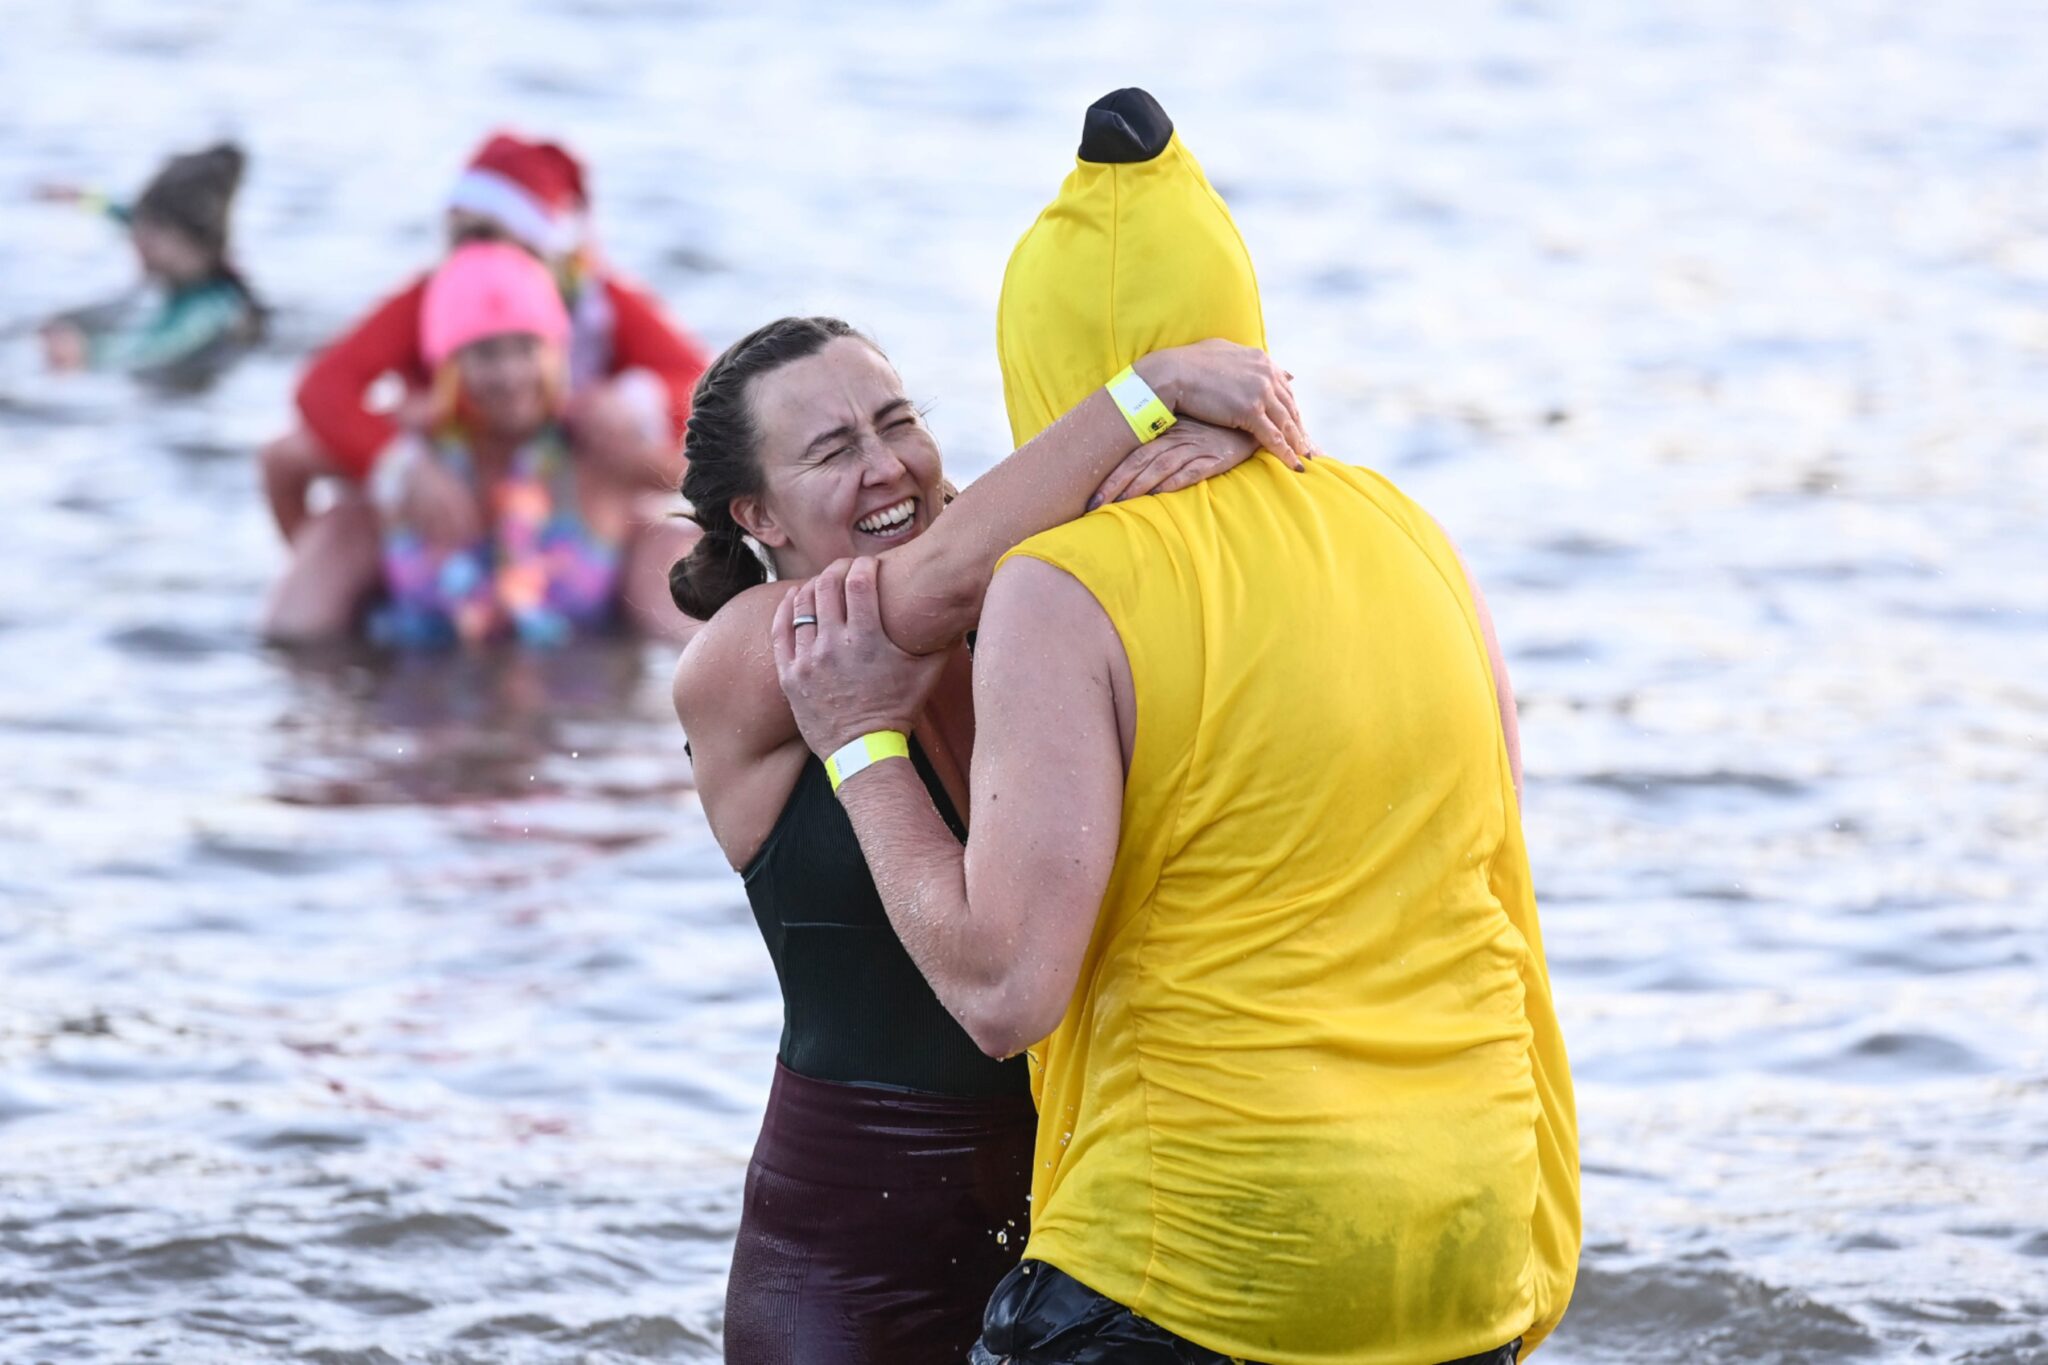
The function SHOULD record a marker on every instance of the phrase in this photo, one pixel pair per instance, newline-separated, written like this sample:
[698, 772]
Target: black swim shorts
[1040, 1315]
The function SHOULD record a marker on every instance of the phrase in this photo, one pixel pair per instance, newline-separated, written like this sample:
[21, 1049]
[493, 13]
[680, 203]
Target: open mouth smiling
[891, 522]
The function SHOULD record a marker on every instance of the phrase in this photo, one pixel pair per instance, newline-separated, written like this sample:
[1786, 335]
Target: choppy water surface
[359, 1012]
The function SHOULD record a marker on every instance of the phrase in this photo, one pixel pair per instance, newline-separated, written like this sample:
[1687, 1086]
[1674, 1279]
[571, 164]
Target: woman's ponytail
[719, 567]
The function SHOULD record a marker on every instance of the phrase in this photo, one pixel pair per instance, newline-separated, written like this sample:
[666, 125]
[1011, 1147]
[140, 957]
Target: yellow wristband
[1139, 405]
[869, 749]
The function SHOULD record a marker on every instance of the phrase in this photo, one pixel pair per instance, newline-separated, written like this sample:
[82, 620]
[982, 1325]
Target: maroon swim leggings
[876, 1224]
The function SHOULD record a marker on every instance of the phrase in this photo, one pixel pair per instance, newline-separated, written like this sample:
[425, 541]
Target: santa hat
[533, 190]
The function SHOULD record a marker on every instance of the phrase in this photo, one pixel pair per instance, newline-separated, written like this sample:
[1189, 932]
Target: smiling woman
[887, 1194]
[878, 473]
[840, 403]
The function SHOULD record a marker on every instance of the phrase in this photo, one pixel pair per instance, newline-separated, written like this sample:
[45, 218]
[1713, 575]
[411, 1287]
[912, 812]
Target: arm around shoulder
[1048, 778]
[998, 929]
[333, 393]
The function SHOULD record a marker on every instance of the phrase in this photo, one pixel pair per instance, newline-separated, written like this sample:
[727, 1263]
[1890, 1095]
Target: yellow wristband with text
[865, 752]
[1139, 405]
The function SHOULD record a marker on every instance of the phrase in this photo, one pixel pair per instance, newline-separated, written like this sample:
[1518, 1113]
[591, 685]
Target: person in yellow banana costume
[1246, 872]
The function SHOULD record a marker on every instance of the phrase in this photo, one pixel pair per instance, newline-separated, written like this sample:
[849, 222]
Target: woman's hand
[1228, 385]
[1182, 456]
[843, 675]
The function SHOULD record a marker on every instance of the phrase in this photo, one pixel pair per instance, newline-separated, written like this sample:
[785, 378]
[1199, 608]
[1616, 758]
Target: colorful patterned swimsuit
[541, 575]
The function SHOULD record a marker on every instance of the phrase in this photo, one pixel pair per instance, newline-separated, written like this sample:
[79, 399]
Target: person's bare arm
[932, 588]
[744, 745]
[932, 594]
[622, 425]
[999, 929]
[289, 468]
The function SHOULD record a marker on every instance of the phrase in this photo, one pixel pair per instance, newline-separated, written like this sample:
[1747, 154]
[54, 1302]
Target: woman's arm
[931, 589]
[744, 740]
[336, 385]
[745, 751]
[645, 338]
[743, 737]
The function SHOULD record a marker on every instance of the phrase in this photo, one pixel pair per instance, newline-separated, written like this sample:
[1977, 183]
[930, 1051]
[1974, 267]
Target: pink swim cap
[487, 289]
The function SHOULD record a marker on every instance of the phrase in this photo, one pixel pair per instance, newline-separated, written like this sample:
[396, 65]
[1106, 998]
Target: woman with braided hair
[887, 1192]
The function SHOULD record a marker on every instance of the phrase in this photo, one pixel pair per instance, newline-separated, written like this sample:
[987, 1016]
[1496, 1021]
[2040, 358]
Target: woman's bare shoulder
[728, 668]
[745, 747]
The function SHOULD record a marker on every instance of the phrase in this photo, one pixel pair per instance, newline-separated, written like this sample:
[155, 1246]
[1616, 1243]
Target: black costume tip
[1125, 126]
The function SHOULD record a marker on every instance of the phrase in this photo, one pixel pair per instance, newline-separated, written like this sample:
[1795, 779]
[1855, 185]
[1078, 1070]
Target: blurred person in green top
[200, 312]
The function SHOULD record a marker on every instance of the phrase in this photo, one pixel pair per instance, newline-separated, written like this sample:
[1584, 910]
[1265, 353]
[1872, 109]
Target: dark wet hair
[722, 445]
[194, 194]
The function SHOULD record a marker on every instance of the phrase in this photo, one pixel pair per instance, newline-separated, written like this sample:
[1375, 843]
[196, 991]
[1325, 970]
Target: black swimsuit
[855, 1007]
[889, 1189]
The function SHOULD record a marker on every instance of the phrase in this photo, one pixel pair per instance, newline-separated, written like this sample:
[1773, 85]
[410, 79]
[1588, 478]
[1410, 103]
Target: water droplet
[1002, 1238]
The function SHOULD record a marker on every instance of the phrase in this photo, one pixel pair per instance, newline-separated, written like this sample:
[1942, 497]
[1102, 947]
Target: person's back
[1309, 1101]
[1294, 1100]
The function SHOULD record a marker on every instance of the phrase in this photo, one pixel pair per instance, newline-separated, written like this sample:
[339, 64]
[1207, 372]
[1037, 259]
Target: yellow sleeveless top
[1309, 1104]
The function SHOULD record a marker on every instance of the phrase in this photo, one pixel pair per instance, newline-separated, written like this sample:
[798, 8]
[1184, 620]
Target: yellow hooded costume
[1309, 1104]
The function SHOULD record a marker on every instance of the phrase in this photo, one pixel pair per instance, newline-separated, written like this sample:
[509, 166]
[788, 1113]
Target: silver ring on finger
[804, 621]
